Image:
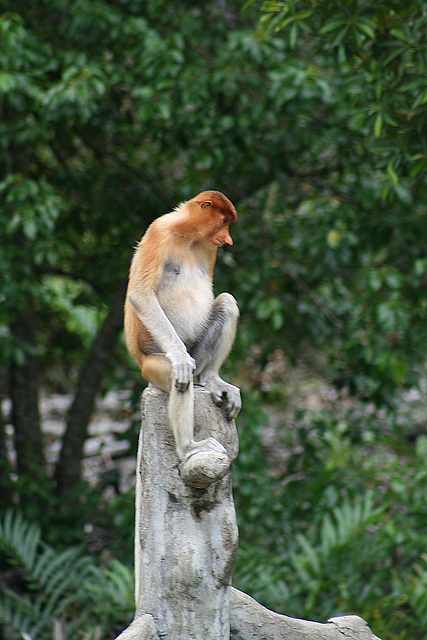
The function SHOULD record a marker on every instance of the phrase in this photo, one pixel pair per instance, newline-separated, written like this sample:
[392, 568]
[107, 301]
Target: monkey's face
[214, 217]
[214, 226]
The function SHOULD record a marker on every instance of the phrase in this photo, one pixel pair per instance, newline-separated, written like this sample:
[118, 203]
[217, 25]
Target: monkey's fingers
[232, 402]
[183, 377]
[184, 373]
[225, 395]
[181, 386]
[232, 411]
[217, 396]
[229, 401]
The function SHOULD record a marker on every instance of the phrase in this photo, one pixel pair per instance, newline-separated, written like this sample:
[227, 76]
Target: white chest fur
[186, 296]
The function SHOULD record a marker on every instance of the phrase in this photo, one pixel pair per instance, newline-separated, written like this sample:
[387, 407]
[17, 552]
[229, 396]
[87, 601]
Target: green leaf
[393, 280]
[416, 169]
[292, 19]
[7, 82]
[378, 124]
[248, 3]
[375, 281]
[274, 6]
[293, 36]
[391, 121]
[331, 25]
[415, 83]
[398, 33]
[391, 173]
[310, 552]
[420, 99]
[420, 267]
[328, 535]
[386, 316]
[277, 321]
[366, 29]
[391, 56]
[404, 194]
[29, 227]
[339, 37]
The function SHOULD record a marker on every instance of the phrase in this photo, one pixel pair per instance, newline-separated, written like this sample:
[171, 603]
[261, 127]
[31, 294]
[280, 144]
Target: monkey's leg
[202, 462]
[211, 351]
[157, 369]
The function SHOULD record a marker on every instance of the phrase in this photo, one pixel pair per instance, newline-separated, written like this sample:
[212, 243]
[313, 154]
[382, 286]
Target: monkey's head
[212, 213]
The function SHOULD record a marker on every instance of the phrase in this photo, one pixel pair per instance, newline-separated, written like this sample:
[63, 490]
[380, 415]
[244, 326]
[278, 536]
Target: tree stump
[186, 541]
[185, 538]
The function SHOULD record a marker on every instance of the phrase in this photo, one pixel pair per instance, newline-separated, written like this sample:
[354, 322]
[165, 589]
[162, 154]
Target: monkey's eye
[207, 203]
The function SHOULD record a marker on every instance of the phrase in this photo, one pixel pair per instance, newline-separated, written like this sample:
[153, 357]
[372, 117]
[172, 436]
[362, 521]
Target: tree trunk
[185, 538]
[24, 395]
[68, 469]
[5, 467]
[3, 447]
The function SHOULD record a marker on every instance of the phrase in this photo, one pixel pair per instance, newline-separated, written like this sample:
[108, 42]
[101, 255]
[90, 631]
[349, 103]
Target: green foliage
[379, 50]
[347, 287]
[112, 586]
[346, 228]
[19, 540]
[52, 579]
[46, 588]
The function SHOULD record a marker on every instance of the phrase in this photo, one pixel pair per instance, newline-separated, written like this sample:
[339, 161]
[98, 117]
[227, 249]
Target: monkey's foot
[223, 393]
[206, 462]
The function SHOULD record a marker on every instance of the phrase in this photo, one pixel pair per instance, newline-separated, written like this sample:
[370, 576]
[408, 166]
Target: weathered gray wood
[185, 545]
[186, 538]
[252, 621]
[142, 628]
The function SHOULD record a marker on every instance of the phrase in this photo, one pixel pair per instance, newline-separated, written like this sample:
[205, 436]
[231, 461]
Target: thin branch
[310, 293]
[157, 190]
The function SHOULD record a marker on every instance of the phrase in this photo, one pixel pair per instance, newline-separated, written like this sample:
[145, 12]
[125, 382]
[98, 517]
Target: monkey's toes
[181, 386]
[202, 467]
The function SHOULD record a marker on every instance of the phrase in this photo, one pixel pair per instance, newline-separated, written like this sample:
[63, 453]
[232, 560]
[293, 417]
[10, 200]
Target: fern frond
[329, 535]
[65, 569]
[114, 583]
[16, 612]
[417, 590]
[19, 540]
[53, 579]
[348, 520]
[337, 530]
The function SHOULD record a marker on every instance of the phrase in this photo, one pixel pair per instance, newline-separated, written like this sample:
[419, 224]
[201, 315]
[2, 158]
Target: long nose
[227, 239]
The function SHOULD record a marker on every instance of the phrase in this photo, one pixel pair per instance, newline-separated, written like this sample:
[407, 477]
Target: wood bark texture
[24, 394]
[251, 621]
[186, 538]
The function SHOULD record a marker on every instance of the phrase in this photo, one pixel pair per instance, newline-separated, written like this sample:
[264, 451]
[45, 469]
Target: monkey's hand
[224, 395]
[183, 367]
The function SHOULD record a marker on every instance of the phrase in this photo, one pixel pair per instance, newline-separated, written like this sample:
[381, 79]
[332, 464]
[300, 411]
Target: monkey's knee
[157, 369]
[226, 305]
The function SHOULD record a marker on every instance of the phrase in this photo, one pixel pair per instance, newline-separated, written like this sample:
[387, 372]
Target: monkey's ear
[207, 203]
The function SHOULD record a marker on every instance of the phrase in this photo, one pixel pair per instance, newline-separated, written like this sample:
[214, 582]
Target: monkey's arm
[152, 316]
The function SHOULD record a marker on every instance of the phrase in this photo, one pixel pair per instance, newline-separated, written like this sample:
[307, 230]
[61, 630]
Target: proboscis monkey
[176, 330]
